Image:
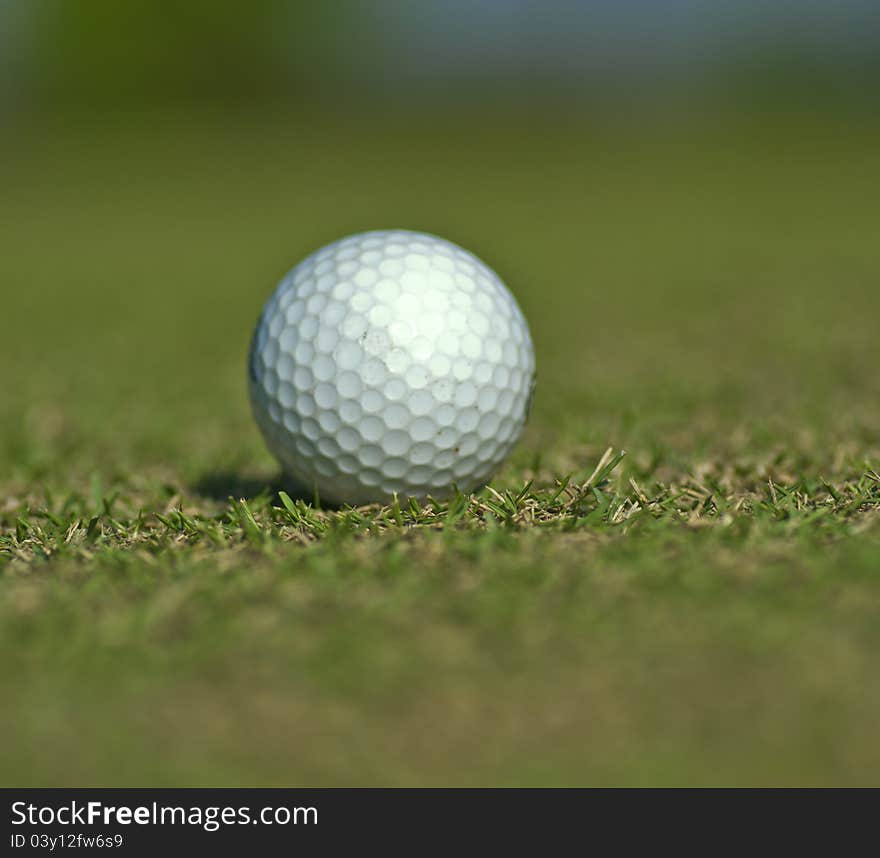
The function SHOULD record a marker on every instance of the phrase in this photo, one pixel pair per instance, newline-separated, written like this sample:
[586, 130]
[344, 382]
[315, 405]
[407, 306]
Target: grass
[700, 609]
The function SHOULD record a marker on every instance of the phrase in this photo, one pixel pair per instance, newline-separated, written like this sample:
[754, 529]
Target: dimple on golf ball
[390, 362]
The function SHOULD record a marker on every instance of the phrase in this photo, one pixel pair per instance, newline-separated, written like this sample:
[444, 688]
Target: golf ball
[390, 361]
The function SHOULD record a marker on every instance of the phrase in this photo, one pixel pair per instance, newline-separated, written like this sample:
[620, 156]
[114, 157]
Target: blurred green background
[682, 196]
[96, 56]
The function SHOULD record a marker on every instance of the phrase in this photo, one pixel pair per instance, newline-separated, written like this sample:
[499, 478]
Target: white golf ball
[391, 361]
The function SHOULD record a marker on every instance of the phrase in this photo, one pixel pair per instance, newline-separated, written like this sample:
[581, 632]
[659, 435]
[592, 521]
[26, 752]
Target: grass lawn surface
[674, 580]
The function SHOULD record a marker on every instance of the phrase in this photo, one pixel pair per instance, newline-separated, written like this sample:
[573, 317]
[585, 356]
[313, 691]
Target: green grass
[704, 609]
